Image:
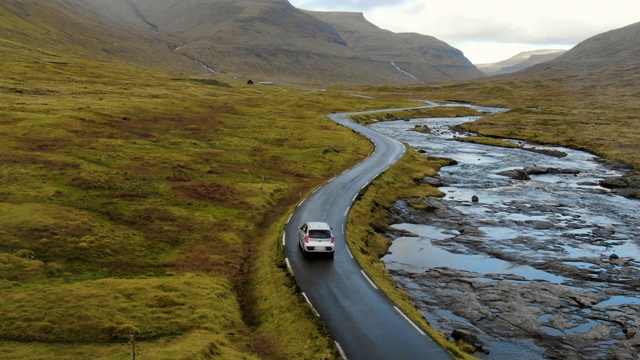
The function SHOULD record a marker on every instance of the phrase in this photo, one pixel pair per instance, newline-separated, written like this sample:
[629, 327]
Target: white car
[316, 237]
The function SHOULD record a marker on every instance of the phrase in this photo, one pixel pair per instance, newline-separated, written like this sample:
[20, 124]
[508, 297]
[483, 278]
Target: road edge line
[410, 322]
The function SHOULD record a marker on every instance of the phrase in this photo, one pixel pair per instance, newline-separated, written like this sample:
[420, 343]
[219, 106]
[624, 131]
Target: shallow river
[540, 268]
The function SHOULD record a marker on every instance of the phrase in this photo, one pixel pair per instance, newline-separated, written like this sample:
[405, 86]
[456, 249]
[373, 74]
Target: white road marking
[289, 219]
[349, 251]
[346, 212]
[354, 198]
[302, 202]
[409, 320]
[342, 354]
[310, 304]
[289, 266]
[283, 236]
[369, 280]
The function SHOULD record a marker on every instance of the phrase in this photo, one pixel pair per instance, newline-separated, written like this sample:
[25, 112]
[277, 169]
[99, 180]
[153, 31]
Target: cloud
[349, 5]
[539, 22]
[468, 24]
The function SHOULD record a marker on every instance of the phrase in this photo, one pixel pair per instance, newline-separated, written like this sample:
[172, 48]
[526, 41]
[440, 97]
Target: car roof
[318, 225]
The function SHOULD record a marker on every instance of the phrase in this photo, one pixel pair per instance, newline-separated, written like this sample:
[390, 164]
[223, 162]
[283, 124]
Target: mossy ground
[449, 111]
[140, 202]
[487, 141]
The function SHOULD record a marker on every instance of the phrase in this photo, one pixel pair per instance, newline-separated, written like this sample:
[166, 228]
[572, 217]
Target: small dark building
[250, 82]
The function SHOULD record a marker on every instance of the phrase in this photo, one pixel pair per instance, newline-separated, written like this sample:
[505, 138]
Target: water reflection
[419, 253]
[560, 229]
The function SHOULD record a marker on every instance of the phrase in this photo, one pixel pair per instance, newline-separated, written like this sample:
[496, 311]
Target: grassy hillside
[69, 27]
[603, 59]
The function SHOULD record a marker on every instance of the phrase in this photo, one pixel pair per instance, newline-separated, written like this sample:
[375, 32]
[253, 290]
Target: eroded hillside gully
[540, 268]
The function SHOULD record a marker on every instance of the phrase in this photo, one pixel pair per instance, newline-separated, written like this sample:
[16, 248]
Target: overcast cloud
[493, 30]
[345, 5]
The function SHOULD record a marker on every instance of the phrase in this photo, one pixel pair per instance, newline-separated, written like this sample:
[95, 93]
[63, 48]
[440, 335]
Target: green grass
[487, 141]
[435, 112]
[117, 180]
[150, 308]
[610, 130]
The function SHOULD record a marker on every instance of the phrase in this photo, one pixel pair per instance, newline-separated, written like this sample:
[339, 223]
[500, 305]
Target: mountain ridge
[606, 60]
[520, 61]
[422, 56]
[264, 39]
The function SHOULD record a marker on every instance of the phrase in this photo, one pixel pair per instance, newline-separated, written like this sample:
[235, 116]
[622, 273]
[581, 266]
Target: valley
[143, 194]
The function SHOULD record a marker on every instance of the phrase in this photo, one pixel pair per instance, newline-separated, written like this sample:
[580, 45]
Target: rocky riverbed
[546, 266]
[519, 296]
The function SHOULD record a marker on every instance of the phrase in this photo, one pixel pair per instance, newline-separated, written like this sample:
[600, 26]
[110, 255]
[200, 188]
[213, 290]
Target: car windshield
[320, 234]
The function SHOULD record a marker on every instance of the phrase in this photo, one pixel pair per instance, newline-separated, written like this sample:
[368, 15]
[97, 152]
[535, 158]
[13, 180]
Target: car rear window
[320, 234]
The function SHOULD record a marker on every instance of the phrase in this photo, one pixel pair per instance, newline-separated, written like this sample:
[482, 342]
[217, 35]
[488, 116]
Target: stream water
[540, 268]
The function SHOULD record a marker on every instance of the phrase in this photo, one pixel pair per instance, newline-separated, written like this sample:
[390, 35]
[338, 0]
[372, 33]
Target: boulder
[467, 337]
[541, 170]
[548, 152]
[435, 181]
[632, 181]
[515, 174]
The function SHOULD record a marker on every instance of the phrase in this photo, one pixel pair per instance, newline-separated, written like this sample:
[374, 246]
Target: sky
[488, 31]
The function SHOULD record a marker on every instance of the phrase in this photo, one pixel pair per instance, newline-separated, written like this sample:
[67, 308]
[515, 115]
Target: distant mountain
[521, 61]
[268, 40]
[420, 57]
[272, 40]
[611, 58]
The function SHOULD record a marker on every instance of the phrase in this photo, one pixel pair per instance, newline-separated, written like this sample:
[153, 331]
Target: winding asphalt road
[362, 320]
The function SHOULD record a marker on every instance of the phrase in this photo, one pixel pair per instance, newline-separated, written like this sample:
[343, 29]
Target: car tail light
[333, 239]
[306, 239]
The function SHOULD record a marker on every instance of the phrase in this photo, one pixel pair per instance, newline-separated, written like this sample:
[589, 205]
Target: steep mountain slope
[261, 39]
[274, 40]
[265, 39]
[70, 27]
[611, 58]
[520, 61]
[420, 57]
